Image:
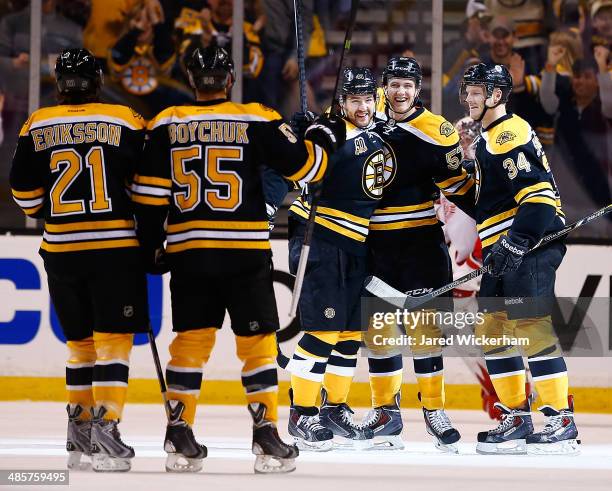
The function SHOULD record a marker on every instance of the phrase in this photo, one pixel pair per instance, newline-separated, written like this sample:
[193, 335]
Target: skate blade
[342, 443]
[390, 442]
[75, 464]
[106, 463]
[324, 446]
[176, 462]
[445, 447]
[269, 464]
[565, 447]
[511, 447]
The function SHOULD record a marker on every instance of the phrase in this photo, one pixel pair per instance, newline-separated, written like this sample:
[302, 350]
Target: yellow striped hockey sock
[259, 377]
[429, 371]
[341, 367]
[385, 379]
[550, 377]
[79, 374]
[111, 371]
[189, 351]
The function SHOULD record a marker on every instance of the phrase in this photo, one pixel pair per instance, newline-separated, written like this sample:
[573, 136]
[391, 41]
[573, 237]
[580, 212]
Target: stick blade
[380, 289]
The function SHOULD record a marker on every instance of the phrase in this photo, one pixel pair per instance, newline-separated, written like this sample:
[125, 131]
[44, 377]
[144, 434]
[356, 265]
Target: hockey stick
[379, 288]
[335, 110]
[299, 36]
[158, 369]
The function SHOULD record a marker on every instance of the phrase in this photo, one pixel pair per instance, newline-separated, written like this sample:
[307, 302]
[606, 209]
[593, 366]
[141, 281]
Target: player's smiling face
[475, 99]
[401, 93]
[359, 109]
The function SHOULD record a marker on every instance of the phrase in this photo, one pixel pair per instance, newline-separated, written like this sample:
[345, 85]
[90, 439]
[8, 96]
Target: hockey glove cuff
[155, 261]
[301, 121]
[506, 255]
[327, 132]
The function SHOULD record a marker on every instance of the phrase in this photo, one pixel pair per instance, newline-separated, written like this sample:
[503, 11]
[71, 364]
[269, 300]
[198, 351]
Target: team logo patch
[505, 137]
[128, 311]
[329, 313]
[378, 172]
[360, 146]
[447, 129]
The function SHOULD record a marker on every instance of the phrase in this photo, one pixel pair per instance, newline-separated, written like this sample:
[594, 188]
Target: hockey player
[70, 168]
[201, 175]
[516, 204]
[330, 300]
[408, 248]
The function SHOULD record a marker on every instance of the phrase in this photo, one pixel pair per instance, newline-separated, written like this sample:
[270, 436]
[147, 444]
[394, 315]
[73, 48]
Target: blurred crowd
[558, 52]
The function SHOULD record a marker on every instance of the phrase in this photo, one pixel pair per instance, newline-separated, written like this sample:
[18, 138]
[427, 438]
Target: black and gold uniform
[72, 168]
[199, 188]
[517, 203]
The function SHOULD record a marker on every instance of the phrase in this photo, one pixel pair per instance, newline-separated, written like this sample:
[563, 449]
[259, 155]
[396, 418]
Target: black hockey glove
[469, 165]
[506, 255]
[328, 132]
[301, 121]
[155, 261]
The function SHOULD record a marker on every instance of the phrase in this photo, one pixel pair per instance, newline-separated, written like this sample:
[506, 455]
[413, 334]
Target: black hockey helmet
[210, 69]
[78, 73]
[403, 67]
[357, 81]
[491, 76]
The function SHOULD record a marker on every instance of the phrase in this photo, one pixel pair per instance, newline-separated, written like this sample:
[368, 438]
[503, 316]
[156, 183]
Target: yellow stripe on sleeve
[305, 169]
[36, 193]
[153, 181]
[530, 189]
[147, 200]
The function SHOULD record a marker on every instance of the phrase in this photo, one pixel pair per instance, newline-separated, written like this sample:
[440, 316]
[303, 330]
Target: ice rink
[32, 436]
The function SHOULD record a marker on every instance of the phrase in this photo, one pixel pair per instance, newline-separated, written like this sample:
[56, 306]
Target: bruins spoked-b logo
[505, 137]
[446, 129]
[378, 172]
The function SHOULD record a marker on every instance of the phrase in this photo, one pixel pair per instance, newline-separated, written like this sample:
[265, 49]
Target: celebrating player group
[189, 193]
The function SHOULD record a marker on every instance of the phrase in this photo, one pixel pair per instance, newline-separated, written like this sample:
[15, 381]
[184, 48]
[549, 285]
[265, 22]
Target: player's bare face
[359, 109]
[475, 100]
[401, 93]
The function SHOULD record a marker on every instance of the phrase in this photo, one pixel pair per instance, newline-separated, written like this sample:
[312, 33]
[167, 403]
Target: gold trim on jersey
[402, 217]
[149, 190]
[493, 227]
[80, 226]
[542, 192]
[29, 201]
[507, 135]
[218, 234]
[457, 185]
[431, 128]
[93, 112]
[314, 168]
[346, 224]
[89, 246]
[218, 112]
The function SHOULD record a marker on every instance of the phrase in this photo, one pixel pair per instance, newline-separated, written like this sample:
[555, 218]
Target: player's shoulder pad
[509, 134]
[352, 131]
[434, 129]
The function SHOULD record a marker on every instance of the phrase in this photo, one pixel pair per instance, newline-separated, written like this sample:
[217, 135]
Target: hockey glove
[506, 255]
[328, 132]
[469, 165]
[301, 121]
[155, 261]
[271, 211]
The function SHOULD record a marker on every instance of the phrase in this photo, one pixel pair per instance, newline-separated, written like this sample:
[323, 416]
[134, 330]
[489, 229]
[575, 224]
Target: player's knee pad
[425, 335]
[343, 358]
[110, 346]
[317, 345]
[81, 351]
[258, 346]
[192, 348]
[539, 336]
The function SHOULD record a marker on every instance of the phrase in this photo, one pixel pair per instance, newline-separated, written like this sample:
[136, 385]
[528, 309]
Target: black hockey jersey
[429, 156]
[515, 189]
[73, 167]
[201, 173]
[360, 170]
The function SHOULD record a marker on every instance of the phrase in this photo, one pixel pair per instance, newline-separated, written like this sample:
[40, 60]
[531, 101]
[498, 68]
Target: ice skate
[441, 429]
[185, 454]
[339, 419]
[306, 430]
[386, 425]
[559, 436]
[272, 455]
[109, 453]
[78, 441]
[509, 436]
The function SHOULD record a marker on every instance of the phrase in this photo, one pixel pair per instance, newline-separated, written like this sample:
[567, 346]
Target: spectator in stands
[600, 31]
[533, 19]
[462, 53]
[184, 17]
[105, 25]
[583, 124]
[141, 61]
[57, 34]
[217, 31]
[278, 44]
